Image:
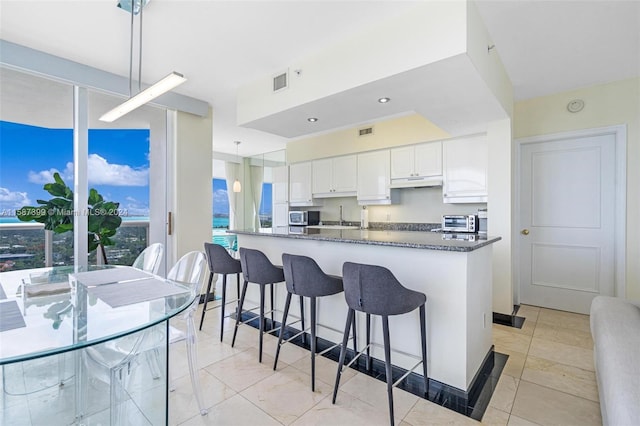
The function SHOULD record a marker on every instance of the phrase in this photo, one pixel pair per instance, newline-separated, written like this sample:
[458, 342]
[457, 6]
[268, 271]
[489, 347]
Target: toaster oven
[460, 223]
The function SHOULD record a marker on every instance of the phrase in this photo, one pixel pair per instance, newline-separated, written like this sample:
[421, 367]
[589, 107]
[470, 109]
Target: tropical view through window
[118, 166]
[221, 205]
[29, 156]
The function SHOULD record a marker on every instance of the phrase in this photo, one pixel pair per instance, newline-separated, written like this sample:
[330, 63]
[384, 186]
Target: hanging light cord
[140, 48]
[131, 52]
[133, 5]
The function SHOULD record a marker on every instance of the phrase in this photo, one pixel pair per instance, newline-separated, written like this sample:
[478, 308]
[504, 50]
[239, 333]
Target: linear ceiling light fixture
[163, 86]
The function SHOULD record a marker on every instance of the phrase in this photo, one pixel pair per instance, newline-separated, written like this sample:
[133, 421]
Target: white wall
[192, 205]
[427, 33]
[500, 211]
[605, 105]
[405, 130]
[487, 62]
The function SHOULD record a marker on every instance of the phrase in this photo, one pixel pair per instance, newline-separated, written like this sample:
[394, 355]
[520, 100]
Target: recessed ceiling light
[312, 119]
[384, 100]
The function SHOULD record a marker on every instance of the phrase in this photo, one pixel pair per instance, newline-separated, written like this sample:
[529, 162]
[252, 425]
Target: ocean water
[13, 219]
[218, 221]
[9, 219]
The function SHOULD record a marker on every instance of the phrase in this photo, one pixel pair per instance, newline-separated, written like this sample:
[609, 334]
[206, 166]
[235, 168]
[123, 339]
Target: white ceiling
[546, 46]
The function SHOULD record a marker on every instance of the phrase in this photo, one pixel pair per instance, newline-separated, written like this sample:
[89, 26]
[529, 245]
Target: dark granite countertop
[409, 239]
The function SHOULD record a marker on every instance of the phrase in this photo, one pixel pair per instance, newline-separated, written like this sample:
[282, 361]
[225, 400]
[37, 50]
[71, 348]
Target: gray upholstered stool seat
[305, 279]
[257, 269]
[374, 290]
[220, 262]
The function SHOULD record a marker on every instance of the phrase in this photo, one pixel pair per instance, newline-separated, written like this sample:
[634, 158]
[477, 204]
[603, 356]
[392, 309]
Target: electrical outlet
[484, 320]
[388, 217]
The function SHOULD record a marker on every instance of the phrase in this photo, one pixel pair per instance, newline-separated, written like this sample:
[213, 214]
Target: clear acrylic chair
[150, 258]
[111, 362]
[190, 270]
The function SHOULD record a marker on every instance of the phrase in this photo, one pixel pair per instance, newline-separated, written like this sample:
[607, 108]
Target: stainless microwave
[304, 218]
[460, 223]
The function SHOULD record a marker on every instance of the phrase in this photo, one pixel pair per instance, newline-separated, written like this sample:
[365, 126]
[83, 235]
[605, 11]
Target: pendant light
[166, 84]
[237, 187]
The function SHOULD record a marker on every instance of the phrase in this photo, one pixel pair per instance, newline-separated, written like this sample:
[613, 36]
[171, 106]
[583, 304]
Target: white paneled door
[567, 221]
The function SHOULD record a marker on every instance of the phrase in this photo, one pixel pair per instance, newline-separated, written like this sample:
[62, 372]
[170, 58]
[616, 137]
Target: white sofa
[615, 327]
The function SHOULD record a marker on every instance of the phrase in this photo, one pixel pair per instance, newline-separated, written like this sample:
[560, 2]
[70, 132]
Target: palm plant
[57, 214]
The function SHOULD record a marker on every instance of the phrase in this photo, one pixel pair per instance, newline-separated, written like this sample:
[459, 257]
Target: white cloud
[220, 196]
[101, 172]
[13, 199]
[133, 207]
[43, 176]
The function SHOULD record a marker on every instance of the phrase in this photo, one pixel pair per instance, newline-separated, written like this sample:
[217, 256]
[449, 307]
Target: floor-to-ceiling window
[36, 141]
[36, 148]
[122, 158]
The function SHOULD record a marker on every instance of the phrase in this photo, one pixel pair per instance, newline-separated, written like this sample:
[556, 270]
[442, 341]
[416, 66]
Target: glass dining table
[74, 343]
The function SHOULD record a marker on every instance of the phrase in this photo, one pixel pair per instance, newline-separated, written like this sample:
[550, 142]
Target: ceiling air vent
[280, 81]
[366, 131]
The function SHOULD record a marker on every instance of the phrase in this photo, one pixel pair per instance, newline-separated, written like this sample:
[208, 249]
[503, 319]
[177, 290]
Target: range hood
[416, 182]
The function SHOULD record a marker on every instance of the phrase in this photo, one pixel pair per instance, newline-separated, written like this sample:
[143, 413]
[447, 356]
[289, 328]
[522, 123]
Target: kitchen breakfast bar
[454, 272]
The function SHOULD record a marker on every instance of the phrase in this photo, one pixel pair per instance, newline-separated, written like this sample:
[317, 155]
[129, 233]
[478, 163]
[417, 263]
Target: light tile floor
[549, 379]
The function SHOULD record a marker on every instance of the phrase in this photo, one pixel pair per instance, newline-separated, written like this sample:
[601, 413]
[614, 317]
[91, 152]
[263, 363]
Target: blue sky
[221, 201]
[118, 165]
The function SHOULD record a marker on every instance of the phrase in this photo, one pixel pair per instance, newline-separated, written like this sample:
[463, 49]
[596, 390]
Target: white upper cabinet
[335, 177]
[280, 184]
[465, 163]
[402, 162]
[300, 184]
[428, 159]
[374, 178]
[280, 188]
[417, 165]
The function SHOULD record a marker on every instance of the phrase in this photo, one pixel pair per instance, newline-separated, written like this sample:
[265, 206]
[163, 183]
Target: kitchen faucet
[341, 221]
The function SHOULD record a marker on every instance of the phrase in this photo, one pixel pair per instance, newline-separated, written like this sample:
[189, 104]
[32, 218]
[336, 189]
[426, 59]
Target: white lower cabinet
[280, 215]
[465, 163]
[374, 178]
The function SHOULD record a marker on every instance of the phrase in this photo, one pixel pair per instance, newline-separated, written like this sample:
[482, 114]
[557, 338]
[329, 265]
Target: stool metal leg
[343, 353]
[262, 289]
[239, 314]
[206, 298]
[355, 336]
[368, 342]
[304, 338]
[423, 335]
[272, 308]
[287, 303]
[387, 364]
[237, 289]
[224, 302]
[313, 344]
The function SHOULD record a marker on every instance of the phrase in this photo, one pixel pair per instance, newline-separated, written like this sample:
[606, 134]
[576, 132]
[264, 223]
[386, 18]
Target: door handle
[525, 232]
